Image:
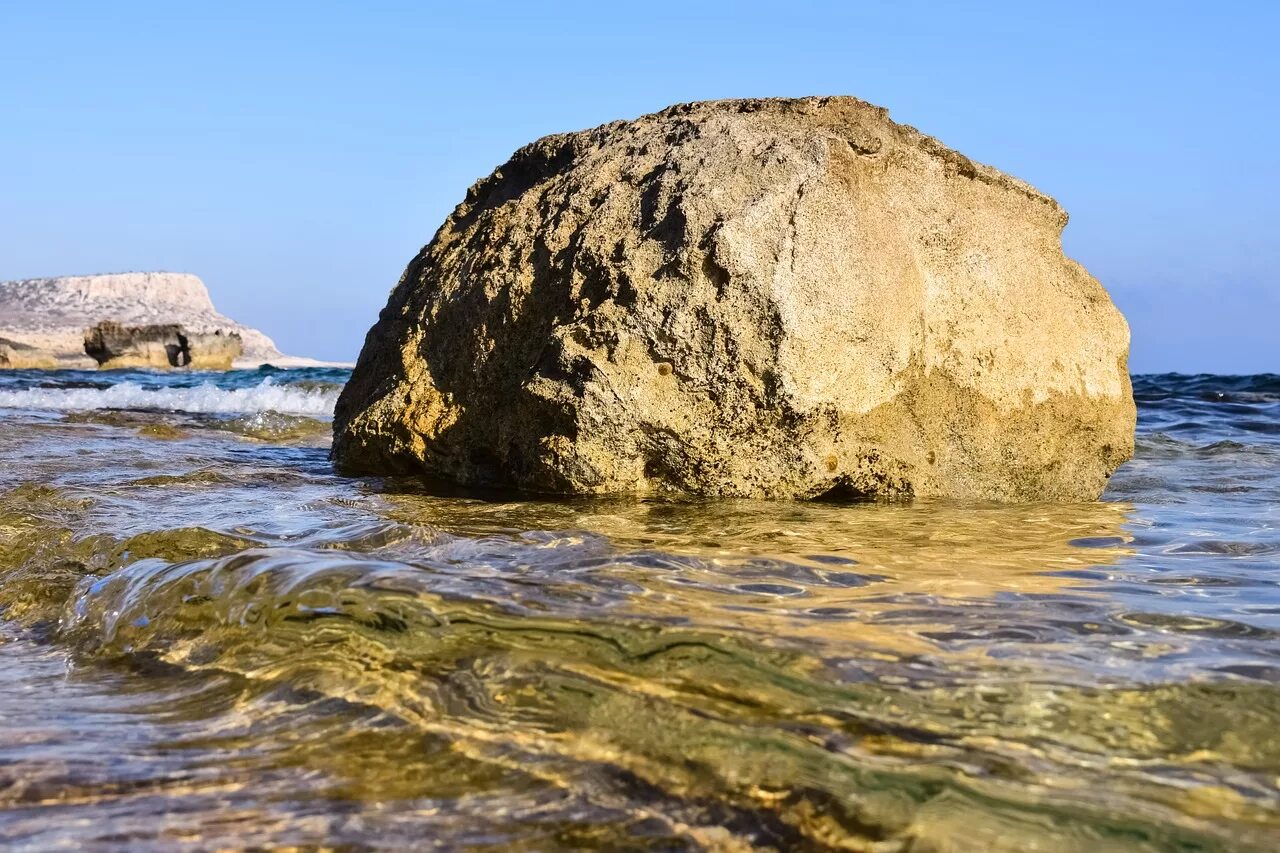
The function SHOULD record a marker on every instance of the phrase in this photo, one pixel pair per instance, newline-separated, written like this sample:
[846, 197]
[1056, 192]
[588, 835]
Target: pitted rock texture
[765, 298]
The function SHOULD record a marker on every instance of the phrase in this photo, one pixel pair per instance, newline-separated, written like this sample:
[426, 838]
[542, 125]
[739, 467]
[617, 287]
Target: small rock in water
[275, 426]
[167, 432]
[766, 298]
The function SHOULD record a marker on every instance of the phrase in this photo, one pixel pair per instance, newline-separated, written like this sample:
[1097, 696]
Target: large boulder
[775, 298]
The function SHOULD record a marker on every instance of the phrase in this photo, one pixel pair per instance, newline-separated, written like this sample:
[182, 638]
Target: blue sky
[297, 155]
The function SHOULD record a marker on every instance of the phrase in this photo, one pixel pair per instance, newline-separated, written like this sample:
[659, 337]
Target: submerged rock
[778, 298]
[112, 345]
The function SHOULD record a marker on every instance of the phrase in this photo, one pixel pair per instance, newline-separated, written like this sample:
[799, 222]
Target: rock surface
[160, 346]
[776, 298]
[52, 314]
[19, 356]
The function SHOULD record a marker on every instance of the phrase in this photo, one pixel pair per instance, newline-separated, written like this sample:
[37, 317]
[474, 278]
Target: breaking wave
[206, 398]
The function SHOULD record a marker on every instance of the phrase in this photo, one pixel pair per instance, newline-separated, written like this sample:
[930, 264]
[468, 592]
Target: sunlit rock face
[20, 356]
[51, 315]
[114, 346]
[766, 298]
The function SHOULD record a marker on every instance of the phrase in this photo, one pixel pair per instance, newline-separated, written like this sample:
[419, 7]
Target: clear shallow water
[210, 641]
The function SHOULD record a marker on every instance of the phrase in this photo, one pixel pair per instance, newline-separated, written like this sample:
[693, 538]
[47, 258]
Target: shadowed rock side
[772, 298]
[112, 345]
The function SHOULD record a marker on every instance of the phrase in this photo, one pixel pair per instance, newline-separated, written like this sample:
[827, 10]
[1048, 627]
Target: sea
[210, 640]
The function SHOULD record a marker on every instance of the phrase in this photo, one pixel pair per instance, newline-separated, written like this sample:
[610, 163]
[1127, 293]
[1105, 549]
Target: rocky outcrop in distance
[160, 346]
[50, 317]
[18, 356]
[784, 298]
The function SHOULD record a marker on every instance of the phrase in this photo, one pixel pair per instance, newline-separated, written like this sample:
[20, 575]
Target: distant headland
[45, 322]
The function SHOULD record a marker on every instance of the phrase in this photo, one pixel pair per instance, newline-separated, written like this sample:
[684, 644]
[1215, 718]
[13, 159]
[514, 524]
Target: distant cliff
[163, 346]
[51, 315]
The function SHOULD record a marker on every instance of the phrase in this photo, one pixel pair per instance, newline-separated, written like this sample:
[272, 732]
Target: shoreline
[287, 363]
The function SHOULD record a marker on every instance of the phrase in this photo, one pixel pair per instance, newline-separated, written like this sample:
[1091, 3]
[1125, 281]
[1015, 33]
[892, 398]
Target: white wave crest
[207, 398]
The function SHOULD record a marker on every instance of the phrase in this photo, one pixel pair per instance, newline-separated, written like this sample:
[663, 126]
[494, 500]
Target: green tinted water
[212, 641]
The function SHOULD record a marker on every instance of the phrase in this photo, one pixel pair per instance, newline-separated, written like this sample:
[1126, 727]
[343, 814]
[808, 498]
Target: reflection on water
[213, 641]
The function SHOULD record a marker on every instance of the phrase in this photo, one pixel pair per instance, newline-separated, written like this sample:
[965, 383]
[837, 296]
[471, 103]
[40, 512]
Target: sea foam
[206, 398]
